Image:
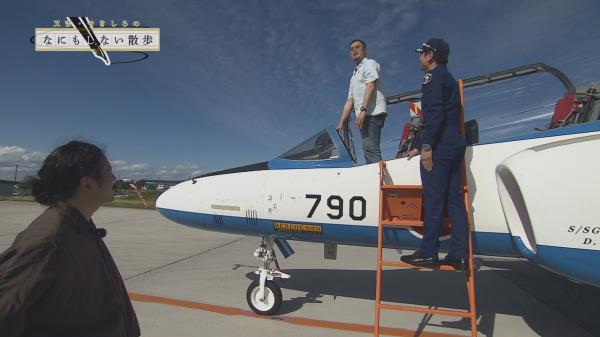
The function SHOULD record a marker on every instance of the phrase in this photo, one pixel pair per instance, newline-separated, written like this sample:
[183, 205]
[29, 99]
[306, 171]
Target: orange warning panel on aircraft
[402, 203]
[297, 228]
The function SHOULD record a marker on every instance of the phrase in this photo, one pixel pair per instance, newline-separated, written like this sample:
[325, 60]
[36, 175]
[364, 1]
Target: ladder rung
[401, 187]
[402, 223]
[412, 187]
[406, 265]
[459, 313]
[397, 204]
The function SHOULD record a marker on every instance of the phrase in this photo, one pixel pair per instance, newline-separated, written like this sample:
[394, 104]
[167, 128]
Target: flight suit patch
[427, 78]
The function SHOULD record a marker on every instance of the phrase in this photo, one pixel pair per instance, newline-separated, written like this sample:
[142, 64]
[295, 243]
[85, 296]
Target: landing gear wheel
[272, 300]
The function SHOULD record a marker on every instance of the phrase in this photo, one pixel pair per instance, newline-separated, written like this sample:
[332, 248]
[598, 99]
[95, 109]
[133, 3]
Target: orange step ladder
[393, 212]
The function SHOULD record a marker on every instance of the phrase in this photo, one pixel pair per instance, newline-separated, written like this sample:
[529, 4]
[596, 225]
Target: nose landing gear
[264, 295]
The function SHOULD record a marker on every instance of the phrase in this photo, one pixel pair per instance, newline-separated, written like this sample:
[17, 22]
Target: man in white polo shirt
[366, 97]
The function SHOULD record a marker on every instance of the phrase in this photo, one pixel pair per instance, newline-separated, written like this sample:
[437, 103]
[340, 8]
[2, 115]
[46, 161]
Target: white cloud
[18, 155]
[514, 128]
[277, 71]
[29, 162]
[124, 169]
[521, 121]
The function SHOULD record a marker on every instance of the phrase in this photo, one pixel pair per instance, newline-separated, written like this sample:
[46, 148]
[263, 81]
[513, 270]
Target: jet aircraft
[532, 196]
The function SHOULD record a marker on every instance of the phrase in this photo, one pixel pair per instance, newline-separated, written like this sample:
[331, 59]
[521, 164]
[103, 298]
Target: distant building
[7, 187]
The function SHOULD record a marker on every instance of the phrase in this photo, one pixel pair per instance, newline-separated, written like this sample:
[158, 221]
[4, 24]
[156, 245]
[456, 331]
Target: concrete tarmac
[188, 282]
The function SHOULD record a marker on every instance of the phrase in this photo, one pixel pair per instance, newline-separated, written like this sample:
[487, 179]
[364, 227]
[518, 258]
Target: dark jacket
[441, 111]
[59, 280]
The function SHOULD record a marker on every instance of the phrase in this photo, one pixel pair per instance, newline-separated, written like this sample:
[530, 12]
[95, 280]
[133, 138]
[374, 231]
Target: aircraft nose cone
[165, 200]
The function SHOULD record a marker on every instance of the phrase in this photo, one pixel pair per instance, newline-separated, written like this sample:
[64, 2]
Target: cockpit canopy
[323, 149]
[318, 147]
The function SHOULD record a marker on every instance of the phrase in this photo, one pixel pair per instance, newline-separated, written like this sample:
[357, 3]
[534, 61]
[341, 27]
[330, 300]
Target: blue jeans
[371, 137]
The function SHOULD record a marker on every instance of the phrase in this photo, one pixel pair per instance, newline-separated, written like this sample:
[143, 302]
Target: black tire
[273, 298]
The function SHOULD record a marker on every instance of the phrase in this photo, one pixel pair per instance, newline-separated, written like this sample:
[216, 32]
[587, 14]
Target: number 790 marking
[357, 211]
[317, 198]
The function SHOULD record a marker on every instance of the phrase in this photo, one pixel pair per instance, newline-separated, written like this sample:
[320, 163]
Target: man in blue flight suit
[442, 149]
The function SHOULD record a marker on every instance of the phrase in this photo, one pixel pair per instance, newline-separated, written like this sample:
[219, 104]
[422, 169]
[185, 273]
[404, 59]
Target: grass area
[19, 198]
[131, 204]
[126, 201]
[131, 200]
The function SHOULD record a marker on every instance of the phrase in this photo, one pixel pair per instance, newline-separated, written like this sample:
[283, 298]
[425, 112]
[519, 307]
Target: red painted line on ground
[292, 320]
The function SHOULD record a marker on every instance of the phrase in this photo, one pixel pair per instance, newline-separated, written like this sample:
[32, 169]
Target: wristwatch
[362, 108]
[426, 147]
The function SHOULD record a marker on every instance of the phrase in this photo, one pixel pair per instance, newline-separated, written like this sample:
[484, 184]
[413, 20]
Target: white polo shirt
[367, 71]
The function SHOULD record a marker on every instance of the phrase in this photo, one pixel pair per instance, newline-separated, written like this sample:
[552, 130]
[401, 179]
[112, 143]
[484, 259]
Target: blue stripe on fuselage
[574, 263]
[578, 264]
[483, 242]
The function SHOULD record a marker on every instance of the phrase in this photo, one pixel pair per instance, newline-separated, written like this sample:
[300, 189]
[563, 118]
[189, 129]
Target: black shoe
[459, 263]
[417, 259]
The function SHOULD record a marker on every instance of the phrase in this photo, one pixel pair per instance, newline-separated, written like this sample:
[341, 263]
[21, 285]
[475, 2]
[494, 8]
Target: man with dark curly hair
[58, 277]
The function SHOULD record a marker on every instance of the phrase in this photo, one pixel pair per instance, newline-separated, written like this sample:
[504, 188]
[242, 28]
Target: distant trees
[141, 185]
[120, 185]
[21, 189]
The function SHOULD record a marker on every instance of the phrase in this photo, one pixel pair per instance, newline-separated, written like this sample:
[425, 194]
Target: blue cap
[438, 46]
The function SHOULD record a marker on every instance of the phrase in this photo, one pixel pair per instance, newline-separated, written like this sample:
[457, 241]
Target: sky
[242, 81]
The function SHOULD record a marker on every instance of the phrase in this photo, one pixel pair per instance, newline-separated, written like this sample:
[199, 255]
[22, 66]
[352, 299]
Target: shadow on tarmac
[579, 303]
